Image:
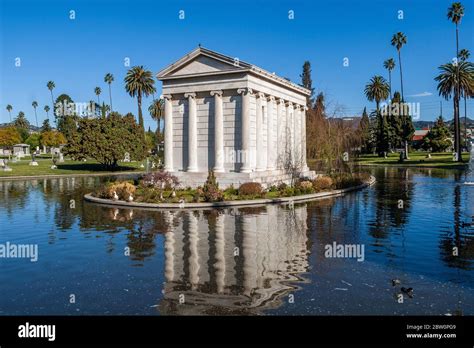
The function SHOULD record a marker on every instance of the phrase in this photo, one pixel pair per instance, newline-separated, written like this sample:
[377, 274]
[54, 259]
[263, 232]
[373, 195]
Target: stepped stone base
[266, 178]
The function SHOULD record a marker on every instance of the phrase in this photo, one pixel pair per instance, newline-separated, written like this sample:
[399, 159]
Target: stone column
[245, 151]
[192, 132]
[280, 128]
[288, 133]
[303, 138]
[168, 133]
[218, 132]
[270, 142]
[259, 114]
[296, 134]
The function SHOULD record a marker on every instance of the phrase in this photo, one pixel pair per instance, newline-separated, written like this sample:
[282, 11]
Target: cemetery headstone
[33, 160]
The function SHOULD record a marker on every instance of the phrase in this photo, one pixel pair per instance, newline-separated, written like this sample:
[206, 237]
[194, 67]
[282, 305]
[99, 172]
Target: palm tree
[398, 40]
[9, 109]
[35, 105]
[46, 108]
[51, 86]
[455, 14]
[377, 89]
[97, 92]
[389, 64]
[156, 110]
[456, 76]
[464, 56]
[139, 82]
[109, 78]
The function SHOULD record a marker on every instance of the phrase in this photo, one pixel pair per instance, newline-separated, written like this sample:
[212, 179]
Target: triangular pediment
[201, 62]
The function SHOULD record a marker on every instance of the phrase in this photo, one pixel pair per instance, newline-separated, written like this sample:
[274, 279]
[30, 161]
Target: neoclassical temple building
[245, 123]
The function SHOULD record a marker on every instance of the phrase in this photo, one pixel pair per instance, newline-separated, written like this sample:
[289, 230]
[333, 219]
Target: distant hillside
[31, 129]
[423, 124]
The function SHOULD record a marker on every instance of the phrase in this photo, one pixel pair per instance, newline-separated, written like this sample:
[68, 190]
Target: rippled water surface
[262, 260]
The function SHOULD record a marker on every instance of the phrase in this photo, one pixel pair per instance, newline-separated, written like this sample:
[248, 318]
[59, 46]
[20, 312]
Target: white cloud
[424, 94]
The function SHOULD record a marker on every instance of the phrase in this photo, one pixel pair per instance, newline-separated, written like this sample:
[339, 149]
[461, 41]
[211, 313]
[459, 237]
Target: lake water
[263, 260]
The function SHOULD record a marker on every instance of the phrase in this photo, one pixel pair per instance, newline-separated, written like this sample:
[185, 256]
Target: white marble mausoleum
[245, 123]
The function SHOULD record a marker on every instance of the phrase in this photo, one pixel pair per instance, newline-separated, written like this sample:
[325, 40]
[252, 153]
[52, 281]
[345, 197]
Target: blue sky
[76, 54]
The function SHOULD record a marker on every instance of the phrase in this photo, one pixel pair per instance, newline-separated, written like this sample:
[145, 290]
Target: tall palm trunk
[36, 118]
[110, 96]
[140, 116]
[401, 74]
[390, 83]
[465, 121]
[457, 128]
[10, 113]
[52, 101]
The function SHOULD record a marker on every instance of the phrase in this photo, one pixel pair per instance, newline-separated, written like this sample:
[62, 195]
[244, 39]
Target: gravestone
[61, 157]
[33, 160]
[126, 157]
[54, 163]
[6, 168]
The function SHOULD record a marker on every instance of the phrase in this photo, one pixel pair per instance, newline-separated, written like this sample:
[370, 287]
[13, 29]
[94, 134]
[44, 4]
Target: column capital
[260, 95]
[298, 107]
[280, 101]
[190, 94]
[288, 103]
[270, 98]
[167, 96]
[245, 90]
[218, 93]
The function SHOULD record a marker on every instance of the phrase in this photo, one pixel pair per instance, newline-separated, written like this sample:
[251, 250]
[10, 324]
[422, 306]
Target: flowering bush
[160, 180]
[211, 191]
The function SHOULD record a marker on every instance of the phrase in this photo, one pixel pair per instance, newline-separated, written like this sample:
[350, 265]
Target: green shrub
[250, 188]
[273, 188]
[288, 191]
[231, 191]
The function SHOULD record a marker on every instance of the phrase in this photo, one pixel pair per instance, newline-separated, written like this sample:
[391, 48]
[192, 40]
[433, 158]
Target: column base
[192, 170]
[168, 169]
[245, 170]
[219, 170]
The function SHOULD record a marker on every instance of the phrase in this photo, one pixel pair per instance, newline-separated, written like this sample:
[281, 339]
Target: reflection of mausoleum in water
[232, 263]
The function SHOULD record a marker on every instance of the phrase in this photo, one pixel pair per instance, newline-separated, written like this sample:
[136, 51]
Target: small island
[161, 189]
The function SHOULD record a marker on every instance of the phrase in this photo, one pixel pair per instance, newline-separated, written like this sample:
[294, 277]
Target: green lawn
[22, 168]
[417, 159]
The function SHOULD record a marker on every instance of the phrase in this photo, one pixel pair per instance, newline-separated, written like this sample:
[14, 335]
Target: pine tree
[439, 137]
[365, 131]
[307, 82]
